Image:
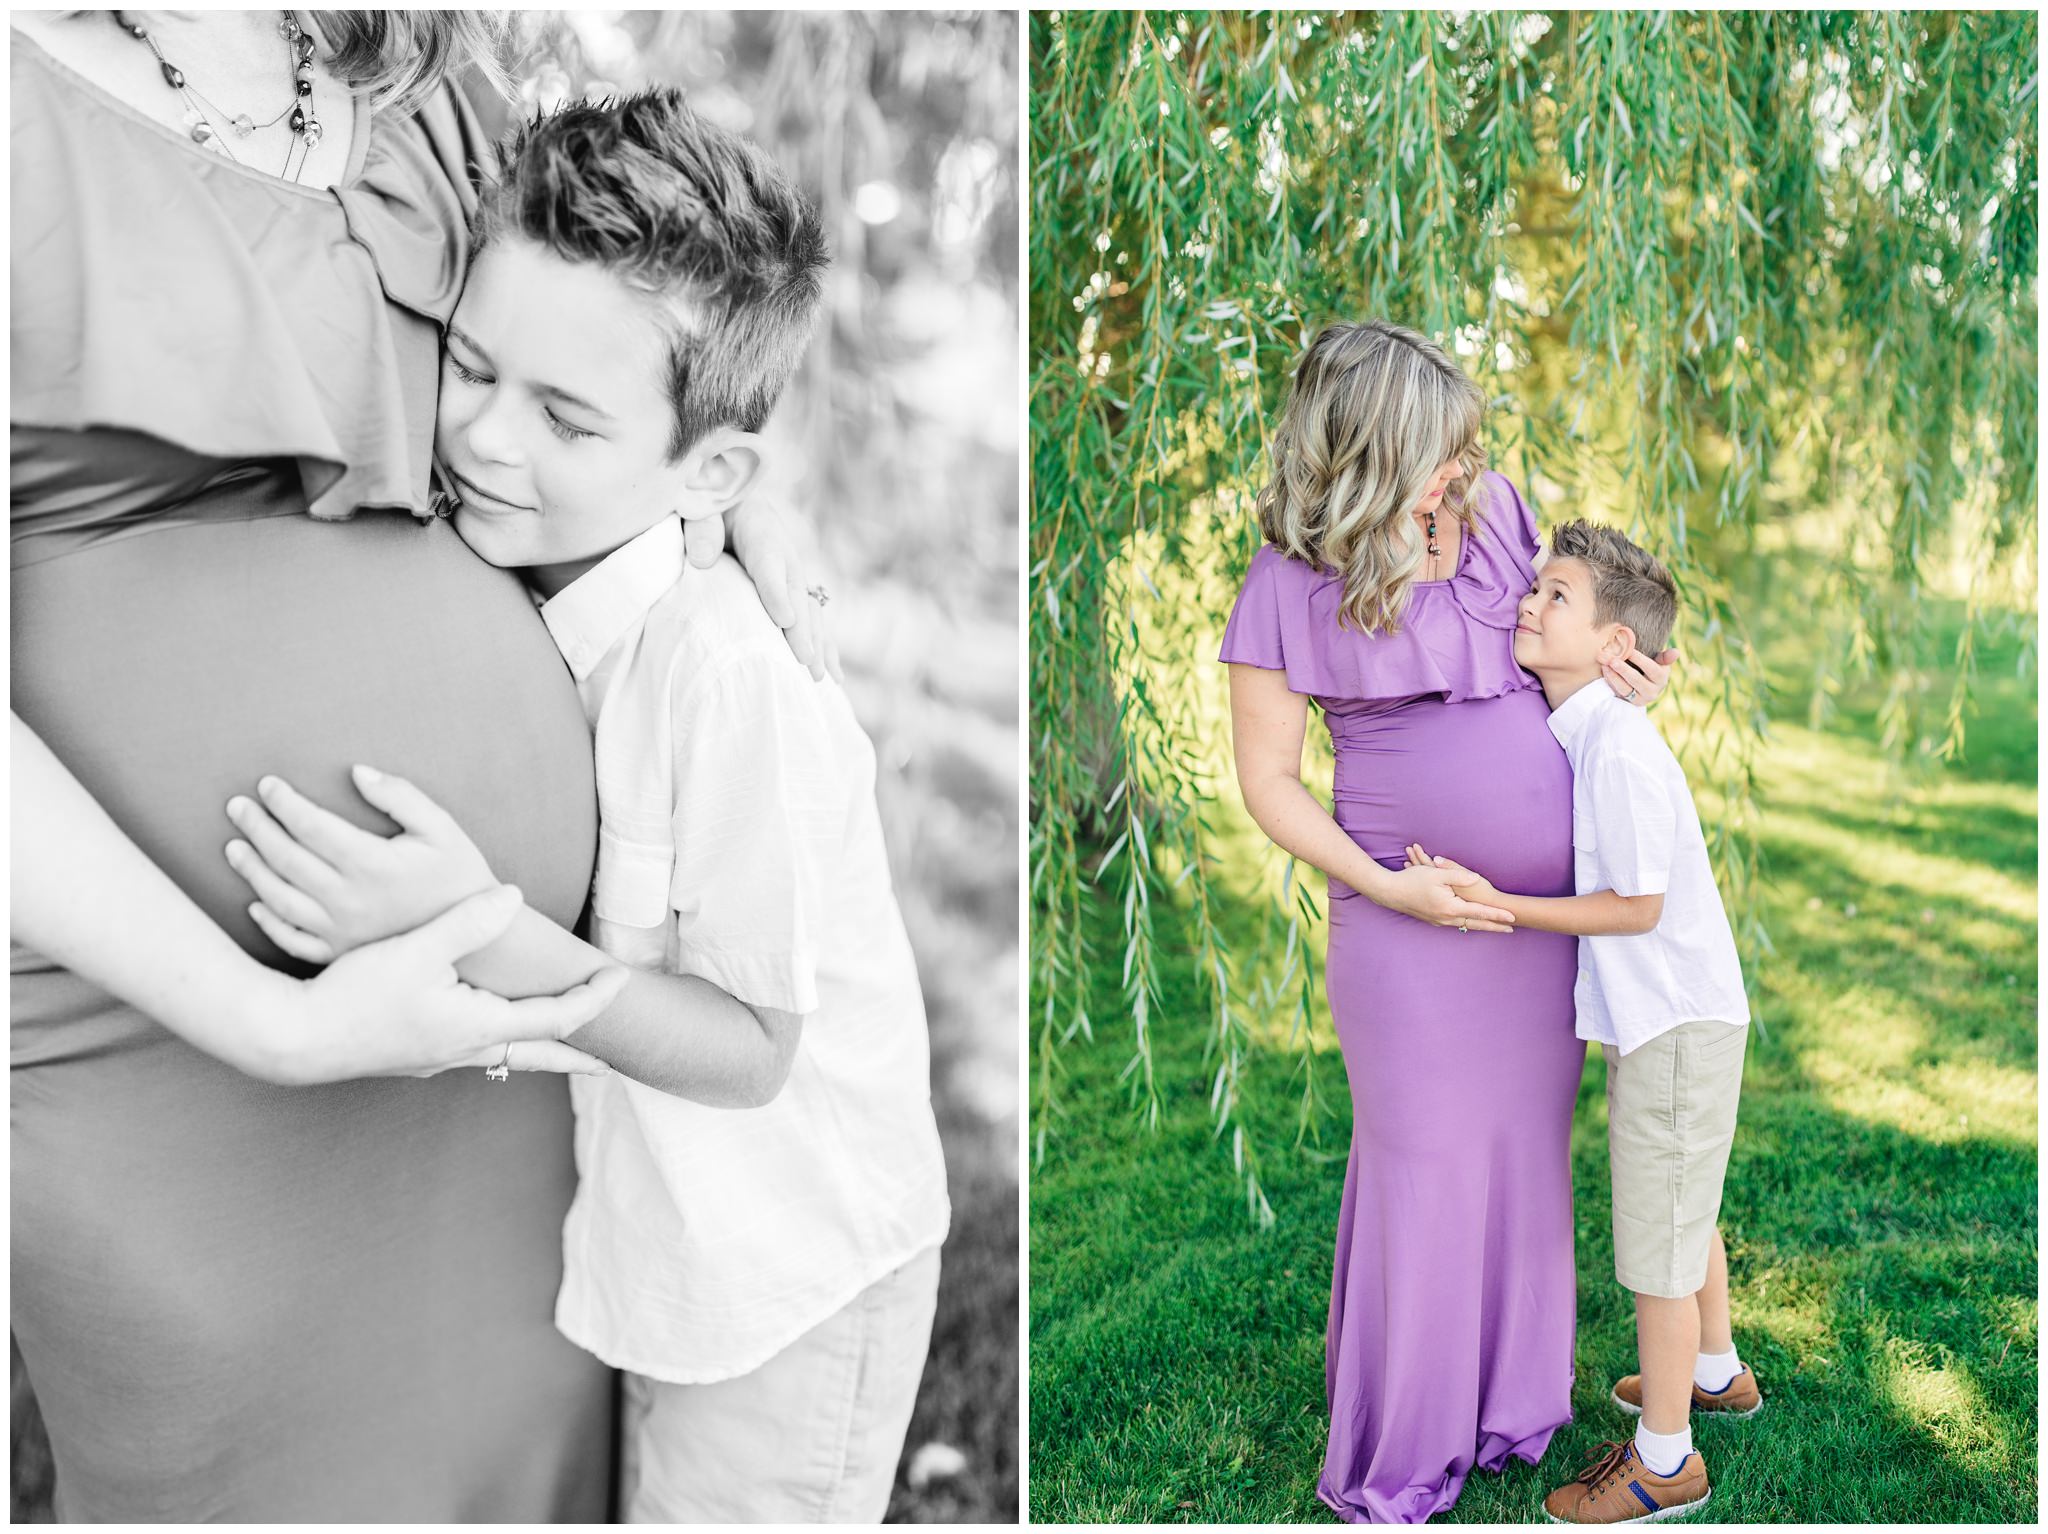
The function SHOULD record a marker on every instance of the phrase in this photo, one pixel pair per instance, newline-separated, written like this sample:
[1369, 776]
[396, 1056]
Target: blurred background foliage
[900, 441]
[1758, 287]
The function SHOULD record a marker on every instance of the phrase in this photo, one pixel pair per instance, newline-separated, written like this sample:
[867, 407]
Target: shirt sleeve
[759, 819]
[1634, 826]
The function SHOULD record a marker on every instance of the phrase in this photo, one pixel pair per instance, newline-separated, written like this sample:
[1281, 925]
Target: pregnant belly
[171, 670]
[1484, 782]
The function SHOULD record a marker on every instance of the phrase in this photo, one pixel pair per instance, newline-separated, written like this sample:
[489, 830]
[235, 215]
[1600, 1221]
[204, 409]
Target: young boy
[642, 288]
[1660, 990]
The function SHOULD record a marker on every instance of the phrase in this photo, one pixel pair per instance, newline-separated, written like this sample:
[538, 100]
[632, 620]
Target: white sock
[1663, 1453]
[1713, 1371]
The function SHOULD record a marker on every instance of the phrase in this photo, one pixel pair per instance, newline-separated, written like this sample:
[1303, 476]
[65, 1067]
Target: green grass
[1880, 1210]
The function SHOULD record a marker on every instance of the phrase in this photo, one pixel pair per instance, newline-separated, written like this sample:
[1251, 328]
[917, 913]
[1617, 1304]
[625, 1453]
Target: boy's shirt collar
[596, 610]
[1570, 717]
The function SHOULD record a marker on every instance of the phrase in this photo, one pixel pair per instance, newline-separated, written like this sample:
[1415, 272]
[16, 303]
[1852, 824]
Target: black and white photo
[515, 756]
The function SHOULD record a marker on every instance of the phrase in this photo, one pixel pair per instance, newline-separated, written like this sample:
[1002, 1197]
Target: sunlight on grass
[1795, 1323]
[1858, 1029]
[1948, 1103]
[1905, 871]
[1866, 1050]
[1938, 1395]
[1831, 772]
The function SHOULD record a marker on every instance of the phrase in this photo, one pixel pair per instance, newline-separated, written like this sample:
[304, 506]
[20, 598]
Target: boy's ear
[1620, 639]
[718, 471]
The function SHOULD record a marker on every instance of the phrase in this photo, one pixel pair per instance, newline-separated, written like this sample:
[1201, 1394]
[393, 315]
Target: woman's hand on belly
[396, 1008]
[324, 886]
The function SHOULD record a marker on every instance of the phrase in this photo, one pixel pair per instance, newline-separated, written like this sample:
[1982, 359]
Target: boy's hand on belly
[324, 886]
[1470, 886]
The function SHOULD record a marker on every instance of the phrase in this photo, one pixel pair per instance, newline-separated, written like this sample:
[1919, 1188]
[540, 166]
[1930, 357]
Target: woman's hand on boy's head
[324, 886]
[1637, 678]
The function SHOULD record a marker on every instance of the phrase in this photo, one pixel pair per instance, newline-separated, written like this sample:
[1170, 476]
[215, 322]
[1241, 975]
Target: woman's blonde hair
[399, 58]
[1374, 412]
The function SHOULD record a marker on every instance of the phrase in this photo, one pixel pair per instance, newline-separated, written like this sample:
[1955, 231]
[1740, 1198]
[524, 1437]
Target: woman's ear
[718, 471]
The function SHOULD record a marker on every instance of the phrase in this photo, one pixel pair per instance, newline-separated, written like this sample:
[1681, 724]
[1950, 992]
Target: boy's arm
[1604, 913]
[1600, 914]
[679, 1034]
[325, 887]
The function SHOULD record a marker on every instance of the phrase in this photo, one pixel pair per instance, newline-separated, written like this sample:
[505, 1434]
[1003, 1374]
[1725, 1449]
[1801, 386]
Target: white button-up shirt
[738, 840]
[1635, 831]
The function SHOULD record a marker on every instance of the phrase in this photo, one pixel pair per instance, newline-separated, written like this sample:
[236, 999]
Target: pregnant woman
[255, 1275]
[1387, 593]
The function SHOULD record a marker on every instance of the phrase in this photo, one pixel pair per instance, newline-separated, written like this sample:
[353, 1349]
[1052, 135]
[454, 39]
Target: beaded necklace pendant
[200, 131]
[303, 122]
[199, 126]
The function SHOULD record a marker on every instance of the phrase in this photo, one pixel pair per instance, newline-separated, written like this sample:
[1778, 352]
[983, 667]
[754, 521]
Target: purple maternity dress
[1453, 1303]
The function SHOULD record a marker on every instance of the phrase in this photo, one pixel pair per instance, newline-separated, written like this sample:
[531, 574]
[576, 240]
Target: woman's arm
[1267, 725]
[85, 897]
[325, 886]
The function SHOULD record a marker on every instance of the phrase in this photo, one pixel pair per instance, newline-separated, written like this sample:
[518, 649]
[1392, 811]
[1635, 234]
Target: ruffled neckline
[262, 320]
[1456, 638]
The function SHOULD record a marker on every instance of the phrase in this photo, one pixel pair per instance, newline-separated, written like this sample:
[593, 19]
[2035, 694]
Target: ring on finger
[502, 1071]
[819, 595]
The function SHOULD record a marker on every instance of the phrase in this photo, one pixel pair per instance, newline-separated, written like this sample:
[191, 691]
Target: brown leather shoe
[1740, 1397]
[1620, 1488]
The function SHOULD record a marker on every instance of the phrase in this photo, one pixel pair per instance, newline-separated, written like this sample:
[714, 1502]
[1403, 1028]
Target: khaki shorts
[1670, 1120]
[812, 1436]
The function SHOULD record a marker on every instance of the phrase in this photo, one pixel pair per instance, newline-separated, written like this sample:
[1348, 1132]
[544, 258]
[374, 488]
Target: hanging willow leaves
[1731, 278]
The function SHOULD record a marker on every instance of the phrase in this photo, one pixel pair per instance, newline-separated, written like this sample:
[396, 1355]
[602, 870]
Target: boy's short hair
[1629, 586]
[685, 211]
